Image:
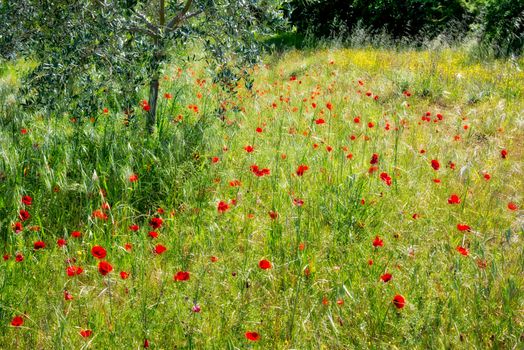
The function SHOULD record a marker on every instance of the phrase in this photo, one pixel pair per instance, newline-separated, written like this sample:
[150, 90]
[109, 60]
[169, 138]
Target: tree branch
[194, 14]
[162, 13]
[180, 16]
[135, 29]
[149, 25]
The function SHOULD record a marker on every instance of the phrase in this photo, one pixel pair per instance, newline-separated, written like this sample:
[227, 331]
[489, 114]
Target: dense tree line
[499, 24]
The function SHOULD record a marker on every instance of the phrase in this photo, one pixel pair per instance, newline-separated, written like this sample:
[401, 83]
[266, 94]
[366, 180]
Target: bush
[498, 23]
[420, 19]
[502, 27]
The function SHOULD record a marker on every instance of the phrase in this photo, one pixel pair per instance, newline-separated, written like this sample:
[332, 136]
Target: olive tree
[84, 48]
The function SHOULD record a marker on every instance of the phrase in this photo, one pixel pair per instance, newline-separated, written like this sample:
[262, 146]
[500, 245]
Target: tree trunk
[153, 97]
[158, 57]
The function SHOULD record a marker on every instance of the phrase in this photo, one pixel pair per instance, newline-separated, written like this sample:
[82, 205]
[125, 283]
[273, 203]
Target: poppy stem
[384, 318]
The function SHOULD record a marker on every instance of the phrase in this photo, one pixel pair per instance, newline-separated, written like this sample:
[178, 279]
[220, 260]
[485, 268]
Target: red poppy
[159, 249]
[435, 164]
[453, 199]
[249, 149]
[38, 245]
[156, 223]
[182, 276]
[259, 172]
[329, 106]
[222, 207]
[259, 130]
[67, 296]
[386, 277]
[463, 251]
[264, 264]
[134, 228]
[235, 183]
[100, 215]
[61, 242]
[504, 153]
[153, 234]
[302, 169]
[374, 159]
[98, 252]
[273, 214]
[377, 242]
[76, 234]
[146, 344]
[213, 259]
[104, 268]
[19, 257]
[124, 275]
[133, 178]
[215, 160]
[18, 227]
[17, 321]
[463, 227]
[86, 333]
[27, 200]
[128, 246]
[512, 206]
[23, 215]
[320, 121]
[386, 178]
[298, 202]
[399, 301]
[74, 270]
[253, 336]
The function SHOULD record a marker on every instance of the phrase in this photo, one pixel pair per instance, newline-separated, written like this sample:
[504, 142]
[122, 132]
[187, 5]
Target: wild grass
[322, 291]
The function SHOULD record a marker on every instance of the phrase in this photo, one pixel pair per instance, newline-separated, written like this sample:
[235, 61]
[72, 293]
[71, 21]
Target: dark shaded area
[498, 24]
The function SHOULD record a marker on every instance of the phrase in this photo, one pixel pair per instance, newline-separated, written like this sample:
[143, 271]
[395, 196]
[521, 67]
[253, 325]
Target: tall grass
[324, 289]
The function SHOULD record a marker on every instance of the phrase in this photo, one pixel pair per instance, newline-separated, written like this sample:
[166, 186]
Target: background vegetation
[498, 25]
[331, 197]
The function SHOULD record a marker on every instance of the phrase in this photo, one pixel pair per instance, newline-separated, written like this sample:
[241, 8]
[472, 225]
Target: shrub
[502, 26]
[410, 18]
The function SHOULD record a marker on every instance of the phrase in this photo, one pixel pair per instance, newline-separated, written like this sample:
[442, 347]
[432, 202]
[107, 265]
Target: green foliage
[499, 24]
[502, 26]
[88, 50]
[409, 18]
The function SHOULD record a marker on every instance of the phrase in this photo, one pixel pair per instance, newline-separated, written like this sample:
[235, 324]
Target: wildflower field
[348, 199]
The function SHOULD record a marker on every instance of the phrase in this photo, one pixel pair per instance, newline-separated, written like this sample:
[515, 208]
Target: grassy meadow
[352, 199]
